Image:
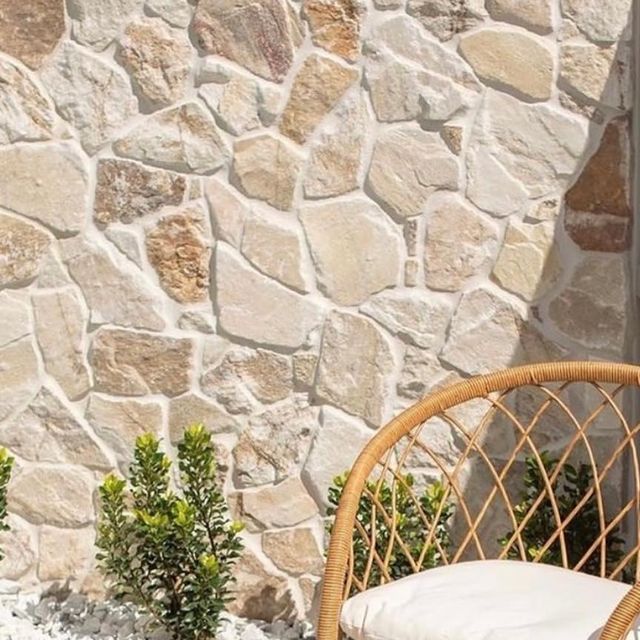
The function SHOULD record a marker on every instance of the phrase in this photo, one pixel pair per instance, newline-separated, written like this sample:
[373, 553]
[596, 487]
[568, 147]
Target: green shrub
[170, 552]
[6, 465]
[410, 526]
[570, 487]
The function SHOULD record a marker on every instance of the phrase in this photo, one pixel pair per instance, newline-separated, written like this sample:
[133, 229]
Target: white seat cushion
[485, 600]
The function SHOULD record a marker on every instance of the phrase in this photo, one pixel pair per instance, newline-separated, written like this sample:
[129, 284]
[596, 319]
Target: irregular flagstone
[97, 23]
[275, 250]
[127, 190]
[175, 12]
[191, 409]
[592, 308]
[598, 210]
[19, 375]
[203, 322]
[19, 548]
[422, 373]
[319, 85]
[418, 317]
[498, 57]
[223, 383]
[46, 182]
[359, 385]
[443, 18]
[25, 113]
[60, 329]
[47, 431]
[304, 369]
[30, 30]
[78, 552]
[131, 363]
[528, 263]
[599, 25]
[158, 59]
[459, 244]
[53, 273]
[23, 247]
[90, 94]
[126, 240]
[535, 15]
[184, 138]
[266, 168]
[177, 249]
[228, 212]
[260, 35]
[408, 166]
[114, 291]
[335, 26]
[344, 236]
[295, 551]
[255, 308]
[16, 319]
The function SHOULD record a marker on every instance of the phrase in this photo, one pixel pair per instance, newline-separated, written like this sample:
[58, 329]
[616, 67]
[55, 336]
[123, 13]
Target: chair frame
[339, 569]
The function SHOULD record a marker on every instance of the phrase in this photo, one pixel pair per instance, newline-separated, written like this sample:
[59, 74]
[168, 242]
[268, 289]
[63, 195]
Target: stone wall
[289, 221]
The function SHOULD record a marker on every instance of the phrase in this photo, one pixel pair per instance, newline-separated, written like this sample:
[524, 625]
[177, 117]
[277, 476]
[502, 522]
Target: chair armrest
[623, 616]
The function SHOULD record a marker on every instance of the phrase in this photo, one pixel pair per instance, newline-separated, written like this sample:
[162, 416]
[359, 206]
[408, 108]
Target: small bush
[6, 465]
[171, 553]
[410, 526]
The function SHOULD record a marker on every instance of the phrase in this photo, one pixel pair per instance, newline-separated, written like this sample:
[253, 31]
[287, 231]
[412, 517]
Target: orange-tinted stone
[335, 26]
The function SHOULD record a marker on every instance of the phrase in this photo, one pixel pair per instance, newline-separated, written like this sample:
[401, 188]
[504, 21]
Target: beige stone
[304, 369]
[344, 236]
[60, 329]
[127, 190]
[19, 375]
[311, 590]
[445, 19]
[408, 166]
[114, 290]
[453, 136]
[528, 263]
[47, 183]
[335, 26]
[295, 551]
[356, 360]
[223, 383]
[261, 36]
[183, 138]
[175, 12]
[596, 23]
[59, 496]
[200, 321]
[16, 318]
[258, 309]
[276, 250]
[317, 88]
[23, 247]
[132, 363]
[19, 547]
[127, 242]
[228, 212]
[74, 562]
[190, 409]
[266, 168]
[459, 244]
[158, 59]
[535, 15]
[422, 373]
[53, 273]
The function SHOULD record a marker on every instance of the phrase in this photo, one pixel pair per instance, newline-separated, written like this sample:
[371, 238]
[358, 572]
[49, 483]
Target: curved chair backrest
[481, 439]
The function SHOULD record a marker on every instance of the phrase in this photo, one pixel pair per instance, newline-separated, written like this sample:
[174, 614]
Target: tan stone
[275, 250]
[256, 308]
[200, 321]
[304, 369]
[190, 409]
[19, 375]
[183, 138]
[422, 373]
[407, 167]
[59, 496]
[443, 18]
[74, 562]
[356, 360]
[23, 247]
[528, 263]
[223, 383]
[19, 548]
[47, 183]
[343, 236]
[119, 422]
[30, 30]
[60, 328]
[16, 319]
[113, 290]
[228, 212]
[319, 85]
[459, 244]
[534, 15]
[335, 26]
[260, 35]
[295, 551]
[132, 363]
[596, 23]
[498, 57]
[127, 190]
[453, 136]
[264, 167]
[158, 59]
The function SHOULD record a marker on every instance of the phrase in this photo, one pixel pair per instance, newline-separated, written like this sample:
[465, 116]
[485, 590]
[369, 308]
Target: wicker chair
[577, 410]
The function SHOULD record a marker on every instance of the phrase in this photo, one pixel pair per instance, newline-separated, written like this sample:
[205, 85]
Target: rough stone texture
[73, 563]
[190, 409]
[60, 330]
[318, 86]
[47, 183]
[132, 363]
[228, 212]
[183, 138]
[266, 168]
[295, 551]
[158, 59]
[335, 26]
[422, 373]
[534, 15]
[30, 30]
[459, 244]
[346, 235]
[90, 94]
[126, 240]
[407, 166]
[498, 58]
[175, 12]
[596, 24]
[359, 386]
[598, 211]
[16, 320]
[127, 190]
[19, 375]
[19, 545]
[261, 36]
[443, 18]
